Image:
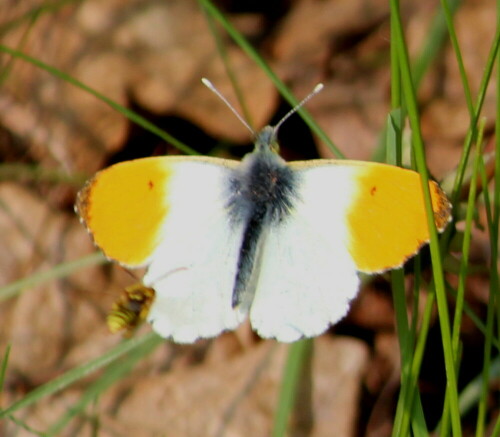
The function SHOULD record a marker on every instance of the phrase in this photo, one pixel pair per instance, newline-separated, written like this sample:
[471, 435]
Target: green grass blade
[449, 9]
[23, 425]
[475, 318]
[418, 422]
[444, 320]
[6, 68]
[435, 41]
[402, 330]
[490, 314]
[299, 354]
[394, 133]
[472, 132]
[3, 368]
[35, 173]
[34, 13]
[221, 49]
[284, 91]
[464, 260]
[496, 194]
[116, 371]
[471, 393]
[77, 373]
[496, 430]
[60, 271]
[406, 335]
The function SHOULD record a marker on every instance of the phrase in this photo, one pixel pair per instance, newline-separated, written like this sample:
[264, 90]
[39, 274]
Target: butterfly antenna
[212, 88]
[292, 111]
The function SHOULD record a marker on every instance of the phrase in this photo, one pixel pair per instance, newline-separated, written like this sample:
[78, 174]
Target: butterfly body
[262, 192]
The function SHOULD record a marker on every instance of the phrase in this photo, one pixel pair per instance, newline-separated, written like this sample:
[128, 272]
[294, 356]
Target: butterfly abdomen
[262, 194]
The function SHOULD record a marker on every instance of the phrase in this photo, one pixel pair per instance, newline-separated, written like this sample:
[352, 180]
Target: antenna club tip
[206, 82]
[318, 88]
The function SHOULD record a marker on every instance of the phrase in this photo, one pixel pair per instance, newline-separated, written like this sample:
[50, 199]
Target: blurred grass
[60, 271]
[405, 79]
[129, 346]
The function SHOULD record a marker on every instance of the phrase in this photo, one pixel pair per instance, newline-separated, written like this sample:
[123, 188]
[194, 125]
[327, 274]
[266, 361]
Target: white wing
[193, 269]
[306, 276]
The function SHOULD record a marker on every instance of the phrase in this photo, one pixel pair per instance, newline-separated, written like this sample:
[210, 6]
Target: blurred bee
[131, 309]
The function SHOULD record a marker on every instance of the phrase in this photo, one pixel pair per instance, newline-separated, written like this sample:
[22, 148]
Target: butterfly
[279, 242]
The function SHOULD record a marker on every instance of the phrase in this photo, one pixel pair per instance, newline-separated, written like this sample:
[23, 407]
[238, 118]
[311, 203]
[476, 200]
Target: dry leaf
[239, 396]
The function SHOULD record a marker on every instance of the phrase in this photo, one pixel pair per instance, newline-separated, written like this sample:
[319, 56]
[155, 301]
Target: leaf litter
[150, 56]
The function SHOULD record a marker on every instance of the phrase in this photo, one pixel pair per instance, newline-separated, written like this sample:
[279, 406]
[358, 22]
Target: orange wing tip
[442, 216]
[131, 309]
[81, 206]
[441, 205]
[124, 208]
[387, 219]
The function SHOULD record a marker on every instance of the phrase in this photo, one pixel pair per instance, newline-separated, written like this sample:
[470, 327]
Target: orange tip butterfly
[279, 242]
